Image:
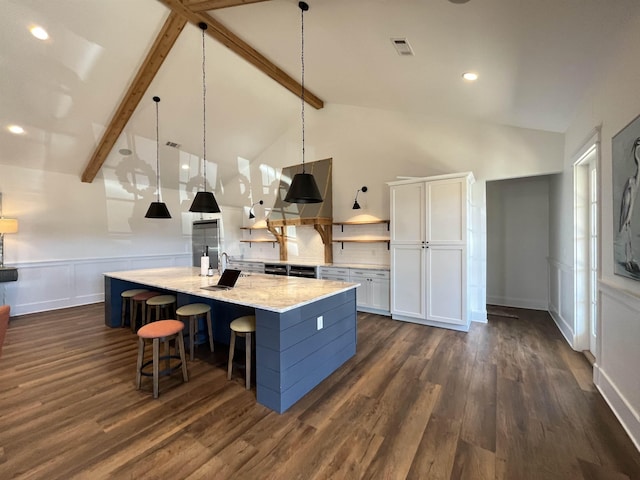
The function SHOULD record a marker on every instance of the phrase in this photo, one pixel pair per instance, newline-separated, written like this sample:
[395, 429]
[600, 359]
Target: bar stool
[127, 298]
[140, 300]
[162, 330]
[194, 311]
[242, 327]
[159, 303]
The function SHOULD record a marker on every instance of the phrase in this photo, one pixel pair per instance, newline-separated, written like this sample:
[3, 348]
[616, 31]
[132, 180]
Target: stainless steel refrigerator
[205, 238]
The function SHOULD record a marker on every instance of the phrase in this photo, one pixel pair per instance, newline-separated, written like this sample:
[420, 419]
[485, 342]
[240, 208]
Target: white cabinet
[429, 248]
[373, 293]
[246, 266]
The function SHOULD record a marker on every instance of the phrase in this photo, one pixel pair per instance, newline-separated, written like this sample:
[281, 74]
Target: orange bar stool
[140, 303]
[165, 331]
[242, 327]
[194, 311]
[159, 303]
[127, 299]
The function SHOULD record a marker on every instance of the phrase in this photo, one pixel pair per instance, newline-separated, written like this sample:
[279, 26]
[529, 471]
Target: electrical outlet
[320, 322]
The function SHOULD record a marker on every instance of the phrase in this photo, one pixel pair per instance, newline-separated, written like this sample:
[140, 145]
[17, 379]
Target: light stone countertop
[361, 266]
[275, 293]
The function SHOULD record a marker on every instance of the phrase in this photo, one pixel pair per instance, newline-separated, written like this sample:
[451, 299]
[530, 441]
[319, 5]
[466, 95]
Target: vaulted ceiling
[85, 94]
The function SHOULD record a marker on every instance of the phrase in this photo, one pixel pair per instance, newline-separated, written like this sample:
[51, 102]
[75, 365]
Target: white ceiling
[535, 59]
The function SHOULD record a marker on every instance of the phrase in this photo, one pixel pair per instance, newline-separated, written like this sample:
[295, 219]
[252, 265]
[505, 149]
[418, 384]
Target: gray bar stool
[194, 311]
[159, 303]
[242, 327]
[127, 298]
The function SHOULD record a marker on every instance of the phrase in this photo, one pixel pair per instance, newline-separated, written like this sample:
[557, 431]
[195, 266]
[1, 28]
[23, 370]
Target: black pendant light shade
[303, 187]
[204, 202]
[157, 209]
[251, 215]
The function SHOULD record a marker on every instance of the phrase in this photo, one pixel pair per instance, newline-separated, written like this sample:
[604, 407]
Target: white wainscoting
[616, 369]
[561, 298]
[56, 284]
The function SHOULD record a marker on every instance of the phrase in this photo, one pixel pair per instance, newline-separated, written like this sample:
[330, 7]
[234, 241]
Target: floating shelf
[372, 222]
[260, 240]
[362, 240]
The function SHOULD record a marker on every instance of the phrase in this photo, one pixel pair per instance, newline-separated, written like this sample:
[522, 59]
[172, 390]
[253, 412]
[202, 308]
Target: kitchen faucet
[224, 259]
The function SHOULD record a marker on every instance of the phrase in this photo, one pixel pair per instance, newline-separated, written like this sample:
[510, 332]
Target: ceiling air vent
[173, 144]
[402, 46]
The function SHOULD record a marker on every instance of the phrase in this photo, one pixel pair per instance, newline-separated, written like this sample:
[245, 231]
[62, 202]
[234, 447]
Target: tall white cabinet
[430, 235]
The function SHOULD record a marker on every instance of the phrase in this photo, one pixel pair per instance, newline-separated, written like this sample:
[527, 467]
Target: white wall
[518, 242]
[612, 103]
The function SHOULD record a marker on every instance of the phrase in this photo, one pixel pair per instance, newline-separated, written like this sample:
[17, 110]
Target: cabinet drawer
[361, 273]
[322, 271]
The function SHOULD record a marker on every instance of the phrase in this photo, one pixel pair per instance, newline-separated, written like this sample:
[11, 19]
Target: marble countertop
[275, 293]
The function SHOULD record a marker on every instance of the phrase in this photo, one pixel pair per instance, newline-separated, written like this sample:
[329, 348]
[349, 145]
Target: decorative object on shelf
[251, 215]
[157, 209]
[356, 205]
[7, 225]
[204, 201]
[303, 188]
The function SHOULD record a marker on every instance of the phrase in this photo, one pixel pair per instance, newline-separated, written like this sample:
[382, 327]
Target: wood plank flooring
[508, 400]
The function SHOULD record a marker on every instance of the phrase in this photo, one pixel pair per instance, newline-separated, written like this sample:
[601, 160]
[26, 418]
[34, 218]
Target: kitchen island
[305, 328]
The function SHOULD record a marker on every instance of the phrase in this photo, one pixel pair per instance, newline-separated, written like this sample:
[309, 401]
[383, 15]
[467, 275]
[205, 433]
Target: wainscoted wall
[52, 285]
[561, 298]
[618, 356]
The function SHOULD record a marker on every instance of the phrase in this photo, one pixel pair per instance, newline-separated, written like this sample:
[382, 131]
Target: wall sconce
[356, 205]
[251, 215]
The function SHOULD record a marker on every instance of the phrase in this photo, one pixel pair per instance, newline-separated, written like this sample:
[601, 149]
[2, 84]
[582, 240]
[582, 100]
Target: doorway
[586, 247]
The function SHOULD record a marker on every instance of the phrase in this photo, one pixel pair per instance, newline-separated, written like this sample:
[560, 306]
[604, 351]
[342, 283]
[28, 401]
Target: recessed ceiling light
[125, 151]
[39, 32]
[185, 166]
[17, 129]
[470, 76]
[458, 1]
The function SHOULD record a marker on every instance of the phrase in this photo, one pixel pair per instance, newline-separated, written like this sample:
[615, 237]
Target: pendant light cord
[157, 100]
[302, 82]
[203, 26]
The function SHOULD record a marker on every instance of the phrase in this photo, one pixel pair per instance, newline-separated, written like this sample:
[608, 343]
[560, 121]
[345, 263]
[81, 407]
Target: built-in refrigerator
[205, 238]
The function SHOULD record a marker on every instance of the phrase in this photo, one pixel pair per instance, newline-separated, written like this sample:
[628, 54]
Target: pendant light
[204, 202]
[356, 205]
[157, 209]
[303, 188]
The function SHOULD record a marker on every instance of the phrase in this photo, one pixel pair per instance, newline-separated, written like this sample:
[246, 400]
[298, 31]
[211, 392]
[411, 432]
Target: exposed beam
[204, 5]
[158, 52]
[225, 36]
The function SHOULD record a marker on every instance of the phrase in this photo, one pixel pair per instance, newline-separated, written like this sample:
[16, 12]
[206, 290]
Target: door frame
[586, 159]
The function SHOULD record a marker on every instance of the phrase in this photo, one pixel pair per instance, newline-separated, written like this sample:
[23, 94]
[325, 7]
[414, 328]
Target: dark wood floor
[508, 400]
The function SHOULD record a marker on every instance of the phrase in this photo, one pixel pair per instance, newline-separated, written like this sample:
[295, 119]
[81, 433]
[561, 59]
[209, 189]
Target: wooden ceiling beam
[204, 5]
[229, 39]
[155, 57]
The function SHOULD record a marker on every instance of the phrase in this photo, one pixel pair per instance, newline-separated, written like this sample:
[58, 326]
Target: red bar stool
[165, 331]
[140, 301]
[242, 327]
[158, 303]
[194, 311]
[127, 298]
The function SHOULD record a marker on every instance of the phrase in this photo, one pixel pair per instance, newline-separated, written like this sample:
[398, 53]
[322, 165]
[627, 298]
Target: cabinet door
[408, 212]
[379, 289]
[408, 280]
[446, 296]
[446, 206]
